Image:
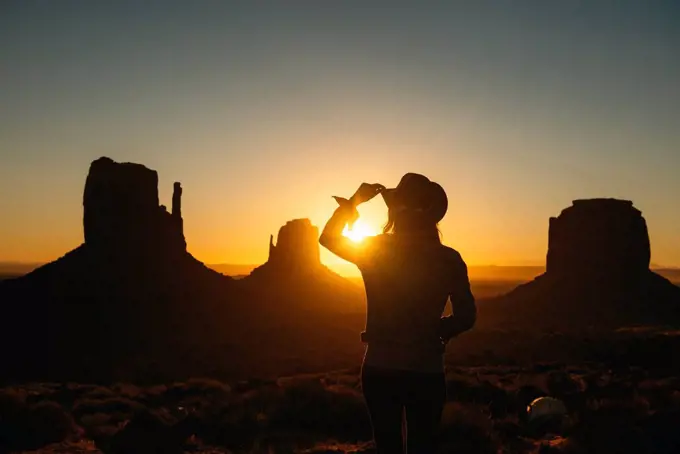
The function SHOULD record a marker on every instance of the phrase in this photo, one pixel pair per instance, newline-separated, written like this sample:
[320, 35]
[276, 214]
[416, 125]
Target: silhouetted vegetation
[630, 411]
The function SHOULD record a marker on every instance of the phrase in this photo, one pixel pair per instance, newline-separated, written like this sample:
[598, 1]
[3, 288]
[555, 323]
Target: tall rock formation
[297, 247]
[130, 291]
[294, 274]
[606, 237]
[597, 276]
[121, 213]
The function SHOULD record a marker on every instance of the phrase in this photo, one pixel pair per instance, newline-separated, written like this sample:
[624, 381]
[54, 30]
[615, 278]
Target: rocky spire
[177, 200]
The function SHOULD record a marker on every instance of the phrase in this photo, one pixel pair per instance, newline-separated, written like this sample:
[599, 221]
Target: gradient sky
[263, 110]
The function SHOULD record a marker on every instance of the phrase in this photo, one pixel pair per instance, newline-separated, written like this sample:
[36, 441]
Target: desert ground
[626, 410]
[622, 393]
[621, 390]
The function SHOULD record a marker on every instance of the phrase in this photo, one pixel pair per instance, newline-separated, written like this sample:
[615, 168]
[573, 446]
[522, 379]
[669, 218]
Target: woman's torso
[407, 287]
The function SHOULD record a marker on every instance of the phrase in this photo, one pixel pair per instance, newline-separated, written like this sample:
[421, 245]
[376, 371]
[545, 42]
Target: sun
[359, 231]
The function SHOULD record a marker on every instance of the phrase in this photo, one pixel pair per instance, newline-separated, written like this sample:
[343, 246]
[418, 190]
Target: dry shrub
[152, 431]
[467, 428]
[661, 394]
[461, 388]
[153, 395]
[562, 384]
[102, 435]
[233, 426]
[197, 388]
[127, 390]
[116, 405]
[31, 426]
[97, 392]
[609, 425]
[336, 411]
[90, 422]
[560, 445]
[207, 386]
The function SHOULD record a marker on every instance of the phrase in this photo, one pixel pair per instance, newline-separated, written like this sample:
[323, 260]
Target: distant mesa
[295, 275]
[605, 237]
[121, 212]
[130, 285]
[597, 275]
[296, 250]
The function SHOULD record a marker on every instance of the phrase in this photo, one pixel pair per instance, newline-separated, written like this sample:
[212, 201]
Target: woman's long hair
[406, 222]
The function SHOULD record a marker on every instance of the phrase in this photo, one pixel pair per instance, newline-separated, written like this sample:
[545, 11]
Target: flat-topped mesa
[121, 210]
[297, 247]
[598, 237]
[597, 278]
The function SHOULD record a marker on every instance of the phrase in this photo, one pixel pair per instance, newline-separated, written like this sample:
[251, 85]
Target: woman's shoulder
[452, 255]
[379, 239]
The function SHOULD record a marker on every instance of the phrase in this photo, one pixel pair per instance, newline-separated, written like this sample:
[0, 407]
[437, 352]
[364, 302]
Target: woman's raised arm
[332, 237]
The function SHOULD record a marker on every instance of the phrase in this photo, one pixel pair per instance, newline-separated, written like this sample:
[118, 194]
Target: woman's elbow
[468, 318]
[324, 240]
[470, 321]
[327, 241]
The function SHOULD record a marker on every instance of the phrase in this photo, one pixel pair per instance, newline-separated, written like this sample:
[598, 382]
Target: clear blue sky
[265, 109]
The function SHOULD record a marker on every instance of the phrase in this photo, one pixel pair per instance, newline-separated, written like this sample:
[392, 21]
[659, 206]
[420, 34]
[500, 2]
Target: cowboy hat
[417, 193]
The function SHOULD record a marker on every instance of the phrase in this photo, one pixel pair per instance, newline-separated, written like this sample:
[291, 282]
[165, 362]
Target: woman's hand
[366, 192]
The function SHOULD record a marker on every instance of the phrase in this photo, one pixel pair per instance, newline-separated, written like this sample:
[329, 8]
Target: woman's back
[408, 281]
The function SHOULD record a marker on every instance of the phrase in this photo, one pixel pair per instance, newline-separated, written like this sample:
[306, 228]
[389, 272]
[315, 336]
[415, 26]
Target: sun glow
[359, 231]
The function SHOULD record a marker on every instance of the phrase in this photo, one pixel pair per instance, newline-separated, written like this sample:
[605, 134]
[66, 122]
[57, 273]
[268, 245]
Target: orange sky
[264, 113]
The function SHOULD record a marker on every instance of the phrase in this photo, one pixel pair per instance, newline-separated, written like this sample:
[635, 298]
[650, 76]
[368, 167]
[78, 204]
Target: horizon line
[487, 265]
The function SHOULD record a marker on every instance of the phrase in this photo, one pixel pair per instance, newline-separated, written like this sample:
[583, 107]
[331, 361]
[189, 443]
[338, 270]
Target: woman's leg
[426, 399]
[384, 399]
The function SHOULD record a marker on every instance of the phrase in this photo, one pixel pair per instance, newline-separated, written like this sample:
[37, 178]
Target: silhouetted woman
[409, 276]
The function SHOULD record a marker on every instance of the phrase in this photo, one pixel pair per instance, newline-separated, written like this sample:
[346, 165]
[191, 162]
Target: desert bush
[560, 445]
[109, 406]
[562, 384]
[336, 411]
[13, 419]
[348, 414]
[151, 431]
[94, 420]
[231, 426]
[50, 423]
[12, 400]
[96, 392]
[38, 392]
[464, 389]
[153, 395]
[126, 390]
[660, 434]
[609, 425]
[466, 428]
[196, 387]
[102, 435]
[662, 394]
[25, 426]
